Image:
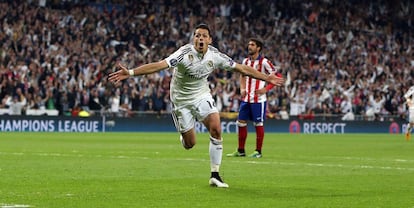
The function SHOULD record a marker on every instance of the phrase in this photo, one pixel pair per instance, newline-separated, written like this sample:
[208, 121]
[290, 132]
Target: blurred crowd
[350, 59]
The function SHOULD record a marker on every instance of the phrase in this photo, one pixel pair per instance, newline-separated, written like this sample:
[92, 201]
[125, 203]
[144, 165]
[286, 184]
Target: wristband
[131, 72]
[269, 87]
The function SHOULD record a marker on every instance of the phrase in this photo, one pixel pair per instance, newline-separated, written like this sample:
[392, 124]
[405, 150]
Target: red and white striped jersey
[264, 66]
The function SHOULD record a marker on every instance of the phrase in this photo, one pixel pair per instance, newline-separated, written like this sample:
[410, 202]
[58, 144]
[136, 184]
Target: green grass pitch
[56, 170]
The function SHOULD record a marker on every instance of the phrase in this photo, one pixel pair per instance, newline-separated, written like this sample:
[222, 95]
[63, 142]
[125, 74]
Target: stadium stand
[344, 59]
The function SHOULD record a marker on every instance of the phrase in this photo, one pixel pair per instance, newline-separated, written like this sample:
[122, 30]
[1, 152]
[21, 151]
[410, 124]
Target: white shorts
[186, 115]
[411, 116]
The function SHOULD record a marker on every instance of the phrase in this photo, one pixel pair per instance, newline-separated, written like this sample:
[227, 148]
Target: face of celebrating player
[201, 40]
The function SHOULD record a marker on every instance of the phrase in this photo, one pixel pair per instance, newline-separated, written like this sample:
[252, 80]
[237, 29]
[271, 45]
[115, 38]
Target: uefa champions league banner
[140, 123]
[50, 124]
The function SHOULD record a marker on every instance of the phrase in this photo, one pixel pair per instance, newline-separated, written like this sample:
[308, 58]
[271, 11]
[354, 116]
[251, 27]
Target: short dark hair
[258, 42]
[203, 26]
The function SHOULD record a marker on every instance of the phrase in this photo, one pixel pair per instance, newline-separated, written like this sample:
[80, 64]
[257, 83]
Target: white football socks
[216, 152]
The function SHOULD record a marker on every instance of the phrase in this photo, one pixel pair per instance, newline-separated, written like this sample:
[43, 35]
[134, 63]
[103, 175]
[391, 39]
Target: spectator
[16, 105]
[115, 102]
[94, 100]
[284, 115]
[376, 105]
[159, 104]
[50, 100]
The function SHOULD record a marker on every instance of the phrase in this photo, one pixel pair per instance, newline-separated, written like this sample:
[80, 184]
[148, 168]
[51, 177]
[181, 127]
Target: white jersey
[191, 70]
[411, 111]
[264, 66]
[409, 95]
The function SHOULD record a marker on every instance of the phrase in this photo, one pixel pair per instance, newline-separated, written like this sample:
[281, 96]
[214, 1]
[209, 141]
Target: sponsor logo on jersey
[196, 75]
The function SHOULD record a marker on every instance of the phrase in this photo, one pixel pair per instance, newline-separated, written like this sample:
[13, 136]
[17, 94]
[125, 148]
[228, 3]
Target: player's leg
[244, 115]
[259, 115]
[184, 122]
[241, 136]
[207, 113]
[409, 125]
[259, 139]
[408, 131]
[188, 139]
[213, 124]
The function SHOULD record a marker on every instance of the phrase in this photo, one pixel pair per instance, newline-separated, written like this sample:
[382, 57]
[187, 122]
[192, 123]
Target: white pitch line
[309, 164]
[234, 161]
[14, 206]
[372, 159]
[334, 165]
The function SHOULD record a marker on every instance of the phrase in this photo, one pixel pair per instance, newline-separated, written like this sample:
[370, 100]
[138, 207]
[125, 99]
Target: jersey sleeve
[225, 62]
[177, 56]
[409, 92]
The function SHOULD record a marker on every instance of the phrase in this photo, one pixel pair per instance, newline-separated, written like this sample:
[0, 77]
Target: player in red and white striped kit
[253, 103]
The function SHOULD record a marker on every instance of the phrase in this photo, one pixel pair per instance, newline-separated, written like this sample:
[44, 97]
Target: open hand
[277, 80]
[119, 75]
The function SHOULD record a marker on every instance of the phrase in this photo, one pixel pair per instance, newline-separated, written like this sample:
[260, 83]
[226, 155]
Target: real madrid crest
[191, 57]
[210, 64]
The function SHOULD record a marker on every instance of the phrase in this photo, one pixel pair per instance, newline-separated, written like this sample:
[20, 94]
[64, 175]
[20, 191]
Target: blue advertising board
[164, 123]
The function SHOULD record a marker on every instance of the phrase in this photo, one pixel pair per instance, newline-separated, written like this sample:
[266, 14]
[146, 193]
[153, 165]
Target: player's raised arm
[124, 73]
[409, 92]
[249, 71]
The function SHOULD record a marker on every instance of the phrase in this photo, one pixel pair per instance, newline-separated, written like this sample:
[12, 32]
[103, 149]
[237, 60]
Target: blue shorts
[255, 112]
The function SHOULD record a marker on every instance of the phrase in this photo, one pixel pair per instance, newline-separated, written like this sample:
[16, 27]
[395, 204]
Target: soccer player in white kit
[190, 94]
[410, 103]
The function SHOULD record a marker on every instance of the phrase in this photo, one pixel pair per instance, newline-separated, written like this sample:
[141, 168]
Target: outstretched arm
[409, 92]
[249, 71]
[409, 102]
[124, 73]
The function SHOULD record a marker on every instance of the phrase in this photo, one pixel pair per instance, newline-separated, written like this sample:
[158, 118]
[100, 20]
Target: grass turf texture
[153, 170]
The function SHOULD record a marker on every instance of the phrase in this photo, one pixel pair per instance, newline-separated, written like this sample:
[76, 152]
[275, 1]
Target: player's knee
[189, 146]
[241, 123]
[216, 141]
[188, 141]
[258, 123]
[215, 133]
